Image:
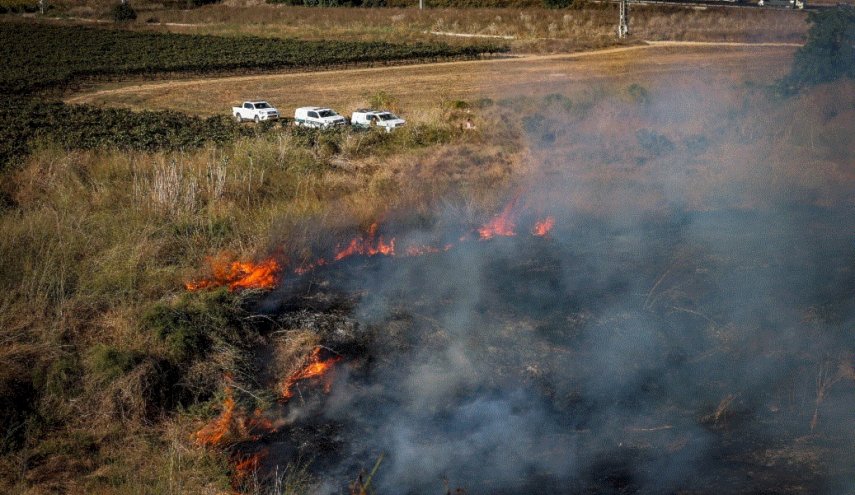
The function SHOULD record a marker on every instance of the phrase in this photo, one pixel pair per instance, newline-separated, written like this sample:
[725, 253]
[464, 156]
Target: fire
[246, 466]
[214, 432]
[317, 367]
[233, 423]
[501, 225]
[240, 275]
[369, 245]
[304, 269]
[542, 227]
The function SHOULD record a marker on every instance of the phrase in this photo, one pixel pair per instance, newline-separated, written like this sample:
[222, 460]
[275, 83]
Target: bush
[112, 363]
[557, 4]
[653, 142]
[829, 53]
[89, 127]
[196, 321]
[124, 13]
[638, 93]
[558, 101]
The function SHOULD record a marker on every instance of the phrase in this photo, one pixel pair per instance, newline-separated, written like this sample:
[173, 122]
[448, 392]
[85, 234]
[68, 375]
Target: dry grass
[528, 30]
[97, 237]
[423, 91]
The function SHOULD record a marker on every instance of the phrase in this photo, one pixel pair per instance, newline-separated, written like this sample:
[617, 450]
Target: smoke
[681, 329]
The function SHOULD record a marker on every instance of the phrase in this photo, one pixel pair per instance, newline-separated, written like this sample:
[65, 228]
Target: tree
[124, 12]
[829, 53]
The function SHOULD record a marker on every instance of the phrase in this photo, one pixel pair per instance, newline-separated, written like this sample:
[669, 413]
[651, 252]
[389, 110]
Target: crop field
[582, 265]
[36, 61]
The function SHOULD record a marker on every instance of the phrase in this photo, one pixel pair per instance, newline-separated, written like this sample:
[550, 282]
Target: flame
[239, 275]
[214, 432]
[369, 245]
[303, 269]
[501, 225]
[233, 423]
[316, 367]
[246, 466]
[542, 227]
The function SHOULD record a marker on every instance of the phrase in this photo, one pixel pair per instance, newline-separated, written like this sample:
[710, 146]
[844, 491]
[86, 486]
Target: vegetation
[829, 53]
[35, 58]
[24, 120]
[123, 12]
[17, 6]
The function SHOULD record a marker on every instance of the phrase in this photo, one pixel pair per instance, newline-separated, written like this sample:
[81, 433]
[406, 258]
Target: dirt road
[422, 86]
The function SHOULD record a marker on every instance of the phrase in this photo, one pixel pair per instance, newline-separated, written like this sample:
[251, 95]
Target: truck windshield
[262, 105]
[387, 116]
[327, 113]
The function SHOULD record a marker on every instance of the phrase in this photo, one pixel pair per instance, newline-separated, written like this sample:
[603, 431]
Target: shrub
[383, 100]
[124, 13]
[558, 101]
[653, 142]
[112, 363]
[638, 94]
[557, 4]
[196, 321]
[696, 143]
[829, 53]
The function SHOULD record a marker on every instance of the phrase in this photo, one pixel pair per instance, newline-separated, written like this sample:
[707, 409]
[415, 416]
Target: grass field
[530, 30]
[421, 89]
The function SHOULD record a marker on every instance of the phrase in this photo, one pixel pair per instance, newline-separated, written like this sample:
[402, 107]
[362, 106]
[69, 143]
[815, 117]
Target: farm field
[581, 266]
[422, 87]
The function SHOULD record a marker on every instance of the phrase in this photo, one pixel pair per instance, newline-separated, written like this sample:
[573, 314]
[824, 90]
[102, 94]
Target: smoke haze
[686, 326]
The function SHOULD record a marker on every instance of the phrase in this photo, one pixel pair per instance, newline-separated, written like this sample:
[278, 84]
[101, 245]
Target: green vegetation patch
[38, 56]
[829, 53]
[87, 127]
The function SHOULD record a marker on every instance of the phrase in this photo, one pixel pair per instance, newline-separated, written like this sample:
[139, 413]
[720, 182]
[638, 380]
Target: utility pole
[421, 4]
[623, 22]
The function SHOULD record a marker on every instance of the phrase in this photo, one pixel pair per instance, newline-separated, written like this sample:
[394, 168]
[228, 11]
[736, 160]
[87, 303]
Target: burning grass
[95, 325]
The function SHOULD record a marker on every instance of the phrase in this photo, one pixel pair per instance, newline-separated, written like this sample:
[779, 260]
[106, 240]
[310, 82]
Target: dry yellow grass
[421, 89]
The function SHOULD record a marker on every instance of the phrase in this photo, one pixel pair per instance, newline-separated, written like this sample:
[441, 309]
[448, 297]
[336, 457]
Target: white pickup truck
[255, 110]
[379, 118]
[318, 117]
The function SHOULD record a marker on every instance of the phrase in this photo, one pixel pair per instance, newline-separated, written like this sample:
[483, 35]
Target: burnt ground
[699, 353]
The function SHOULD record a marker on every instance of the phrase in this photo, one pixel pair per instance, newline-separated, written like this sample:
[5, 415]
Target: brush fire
[317, 368]
[239, 275]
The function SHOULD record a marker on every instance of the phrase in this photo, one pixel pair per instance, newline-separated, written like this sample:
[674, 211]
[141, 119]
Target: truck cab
[318, 117]
[379, 118]
[256, 111]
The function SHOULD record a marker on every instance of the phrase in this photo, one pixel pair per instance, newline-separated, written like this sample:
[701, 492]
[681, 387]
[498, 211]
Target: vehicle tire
[256, 119]
[238, 119]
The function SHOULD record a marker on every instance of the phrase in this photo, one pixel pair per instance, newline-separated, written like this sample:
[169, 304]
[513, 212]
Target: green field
[37, 55]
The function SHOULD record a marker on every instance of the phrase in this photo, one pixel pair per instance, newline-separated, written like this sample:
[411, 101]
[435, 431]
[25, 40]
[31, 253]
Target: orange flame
[542, 227]
[248, 465]
[369, 245]
[316, 367]
[214, 432]
[501, 225]
[240, 275]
